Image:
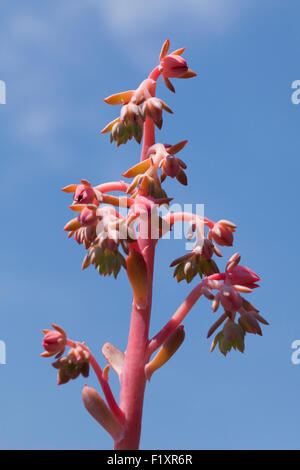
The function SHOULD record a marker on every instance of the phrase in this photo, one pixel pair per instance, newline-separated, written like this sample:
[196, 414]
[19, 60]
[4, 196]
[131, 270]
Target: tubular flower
[54, 342]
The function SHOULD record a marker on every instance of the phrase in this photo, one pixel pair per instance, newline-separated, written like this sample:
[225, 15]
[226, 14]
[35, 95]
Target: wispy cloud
[204, 16]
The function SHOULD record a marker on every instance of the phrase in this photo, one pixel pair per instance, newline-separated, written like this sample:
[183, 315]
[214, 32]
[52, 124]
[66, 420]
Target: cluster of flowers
[100, 229]
[199, 260]
[71, 366]
[140, 103]
[236, 279]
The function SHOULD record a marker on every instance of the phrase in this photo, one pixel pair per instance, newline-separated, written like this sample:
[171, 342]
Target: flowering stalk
[114, 241]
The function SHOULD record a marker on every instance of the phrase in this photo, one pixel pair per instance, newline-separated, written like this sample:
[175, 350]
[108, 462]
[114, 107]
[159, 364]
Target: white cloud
[134, 16]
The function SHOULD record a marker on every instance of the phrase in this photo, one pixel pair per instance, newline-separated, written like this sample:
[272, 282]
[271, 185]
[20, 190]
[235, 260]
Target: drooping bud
[153, 108]
[131, 113]
[230, 298]
[233, 333]
[97, 407]
[198, 261]
[234, 338]
[222, 233]
[166, 351]
[249, 323]
[107, 261]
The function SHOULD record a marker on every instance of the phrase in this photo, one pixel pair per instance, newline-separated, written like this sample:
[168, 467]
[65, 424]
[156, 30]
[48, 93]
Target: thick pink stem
[133, 378]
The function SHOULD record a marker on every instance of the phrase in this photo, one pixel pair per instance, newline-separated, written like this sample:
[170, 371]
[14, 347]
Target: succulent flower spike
[123, 231]
[54, 342]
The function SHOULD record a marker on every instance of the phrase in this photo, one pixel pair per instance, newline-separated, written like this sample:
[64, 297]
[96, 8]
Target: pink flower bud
[243, 276]
[222, 233]
[173, 66]
[54, 342]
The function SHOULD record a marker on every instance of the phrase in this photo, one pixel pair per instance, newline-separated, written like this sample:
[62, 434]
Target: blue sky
[59, 59]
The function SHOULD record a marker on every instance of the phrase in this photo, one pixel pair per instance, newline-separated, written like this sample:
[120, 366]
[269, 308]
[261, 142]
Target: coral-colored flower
[222, 233]
[243, 276]
[84, 194]
[173, 65]
[54, 342]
